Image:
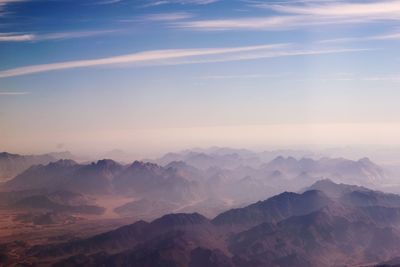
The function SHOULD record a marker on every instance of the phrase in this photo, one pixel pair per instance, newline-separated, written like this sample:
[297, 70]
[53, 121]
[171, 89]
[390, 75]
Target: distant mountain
[356, 195]
[185, 170]
[362, 171]
[94, 178]
[333, 189]
[175, 185]
[52, 176]
[222, 157]
[233, 173]
[180, 186]
[148, 180]
[13, 164]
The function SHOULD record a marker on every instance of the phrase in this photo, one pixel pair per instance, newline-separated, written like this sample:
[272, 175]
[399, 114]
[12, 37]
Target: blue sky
[157, 75]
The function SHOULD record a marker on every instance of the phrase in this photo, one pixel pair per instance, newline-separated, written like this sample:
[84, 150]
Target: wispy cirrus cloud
[13, 93]
[16, 37]
[382, 9]
[242, 76]
[380, 37]
[385, 78]
[161, 17]
[4, 3]
[178, 57]
[252, 23]
[107, 2]
[140, 57]
[297, 14]
[24, 37]
[181, 2]
[175, 16]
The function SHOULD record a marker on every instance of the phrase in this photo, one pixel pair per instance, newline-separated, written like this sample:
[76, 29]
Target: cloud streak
[13, 93]
[381, 37]
[168, 16]
[32, 37]
[178, 57]
[381, 9]
[140, 57]
[181, 2]
[161, 17]
[12, 37]
[307, 13]
[4, 3]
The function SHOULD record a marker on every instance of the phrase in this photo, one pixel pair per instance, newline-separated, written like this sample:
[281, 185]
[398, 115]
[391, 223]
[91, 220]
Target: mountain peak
[62, 163]
[366, 161]
[106, 163]
[144, 165]
[180, 219]
[323, 182]
[8, 155]
[333, 189]
[278, 159]
[177, 164]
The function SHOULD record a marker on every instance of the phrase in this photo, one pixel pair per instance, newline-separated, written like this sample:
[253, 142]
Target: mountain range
[13, 164]
[152, 190]
[320, 226]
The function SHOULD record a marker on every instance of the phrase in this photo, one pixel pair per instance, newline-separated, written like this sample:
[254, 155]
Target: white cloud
[381, 37]
[161, 17]
[182, 2]
[107, 2]
[308, 13]
[11, 37]
[243, 76]
[13, 93]
[177, 57]
[168, 16]
[259, 23]
[383, 78]
[253, 23]
[24, 37]
[381, 9]
[268, 54]
[4, 3]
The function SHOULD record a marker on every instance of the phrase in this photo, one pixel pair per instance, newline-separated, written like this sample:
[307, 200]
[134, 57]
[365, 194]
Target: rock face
[314, 228]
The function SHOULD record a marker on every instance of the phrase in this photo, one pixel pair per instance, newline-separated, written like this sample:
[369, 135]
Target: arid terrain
[219, 207]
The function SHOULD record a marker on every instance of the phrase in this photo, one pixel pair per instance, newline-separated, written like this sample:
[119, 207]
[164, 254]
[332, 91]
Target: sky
[149, 76]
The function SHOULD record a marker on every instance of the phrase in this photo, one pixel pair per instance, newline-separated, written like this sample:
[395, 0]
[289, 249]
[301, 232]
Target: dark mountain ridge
[290, 229]
[274, 209]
